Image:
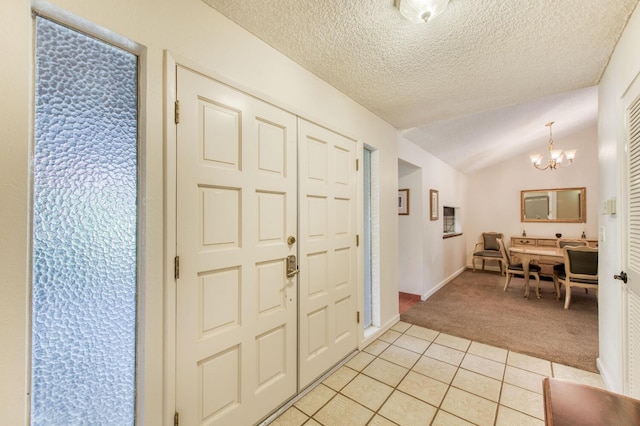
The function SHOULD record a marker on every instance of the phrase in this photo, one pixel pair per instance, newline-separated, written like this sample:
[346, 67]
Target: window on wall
[371, 239]
[84, 230]
[451, 221]
[368, 267]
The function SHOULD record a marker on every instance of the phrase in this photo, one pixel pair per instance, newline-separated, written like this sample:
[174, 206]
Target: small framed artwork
[433, 204]
[403, 201]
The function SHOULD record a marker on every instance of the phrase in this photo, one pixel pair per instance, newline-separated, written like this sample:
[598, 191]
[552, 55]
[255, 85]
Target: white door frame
[170, 242]
[170, 216]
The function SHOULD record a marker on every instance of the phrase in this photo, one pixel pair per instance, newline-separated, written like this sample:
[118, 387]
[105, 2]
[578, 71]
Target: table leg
[525, 269]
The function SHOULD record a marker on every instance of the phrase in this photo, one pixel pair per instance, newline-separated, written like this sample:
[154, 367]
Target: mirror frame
[583, 206]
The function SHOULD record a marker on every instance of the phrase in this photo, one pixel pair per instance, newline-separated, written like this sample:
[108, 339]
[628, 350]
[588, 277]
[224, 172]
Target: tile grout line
[458, 368]
[450, 385]
[395, 388]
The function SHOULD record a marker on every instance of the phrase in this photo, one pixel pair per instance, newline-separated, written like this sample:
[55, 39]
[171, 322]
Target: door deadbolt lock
[291, 240]
[292, 266]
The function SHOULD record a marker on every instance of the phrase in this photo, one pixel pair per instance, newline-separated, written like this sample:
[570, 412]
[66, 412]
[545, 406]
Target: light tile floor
[415, 376]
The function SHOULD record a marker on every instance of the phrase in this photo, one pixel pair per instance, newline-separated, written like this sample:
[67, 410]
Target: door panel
[236, 206]
[327, 191]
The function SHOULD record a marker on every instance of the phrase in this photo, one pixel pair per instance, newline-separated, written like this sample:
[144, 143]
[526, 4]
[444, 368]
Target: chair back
[581, 263]
[562, 243]
[505, 255]
[489, 240]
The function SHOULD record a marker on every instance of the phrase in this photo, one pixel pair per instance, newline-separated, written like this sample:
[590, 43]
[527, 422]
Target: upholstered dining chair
[564, 242]
[558, 269]
[581, 270]
[488, 249]
[516, 269]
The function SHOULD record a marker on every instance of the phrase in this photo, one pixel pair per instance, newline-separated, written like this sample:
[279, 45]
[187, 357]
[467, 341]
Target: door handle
[292, 266]
[622, 277]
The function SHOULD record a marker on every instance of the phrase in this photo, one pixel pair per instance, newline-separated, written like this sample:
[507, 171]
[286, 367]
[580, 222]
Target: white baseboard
[493, 268]
[444, 282]
[372, 333]
[606, 377]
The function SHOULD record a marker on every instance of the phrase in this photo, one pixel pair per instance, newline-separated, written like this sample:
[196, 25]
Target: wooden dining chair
[581, 270]
[516, 269]
[558, 269]
[564, 242]
[487, 249]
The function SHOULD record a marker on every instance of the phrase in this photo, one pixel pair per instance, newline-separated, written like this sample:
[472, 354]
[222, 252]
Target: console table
[546, 262]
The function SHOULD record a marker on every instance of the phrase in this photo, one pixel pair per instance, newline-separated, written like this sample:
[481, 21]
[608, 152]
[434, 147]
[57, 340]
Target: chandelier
[556, 156]
[420, 11]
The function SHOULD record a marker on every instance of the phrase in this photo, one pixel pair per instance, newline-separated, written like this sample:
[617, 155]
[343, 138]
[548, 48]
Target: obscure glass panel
[368, 278]
[84, 230]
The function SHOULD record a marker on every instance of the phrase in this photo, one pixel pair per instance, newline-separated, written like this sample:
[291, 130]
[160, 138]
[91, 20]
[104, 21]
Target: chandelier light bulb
[536, 159]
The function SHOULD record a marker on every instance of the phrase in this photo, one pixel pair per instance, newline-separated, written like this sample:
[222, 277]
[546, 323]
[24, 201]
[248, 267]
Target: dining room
[489, 199]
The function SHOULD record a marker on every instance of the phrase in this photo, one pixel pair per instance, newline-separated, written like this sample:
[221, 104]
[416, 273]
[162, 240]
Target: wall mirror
[553, 205]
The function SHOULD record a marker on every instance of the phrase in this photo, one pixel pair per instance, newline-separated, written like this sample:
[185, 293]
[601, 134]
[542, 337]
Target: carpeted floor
[474, 306]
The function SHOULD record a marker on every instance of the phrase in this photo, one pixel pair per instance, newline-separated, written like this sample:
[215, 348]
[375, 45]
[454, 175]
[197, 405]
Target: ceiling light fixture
[421, 10]
[556, 156]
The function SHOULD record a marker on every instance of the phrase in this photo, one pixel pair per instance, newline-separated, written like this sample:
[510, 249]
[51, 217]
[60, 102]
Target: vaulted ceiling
[482, 75]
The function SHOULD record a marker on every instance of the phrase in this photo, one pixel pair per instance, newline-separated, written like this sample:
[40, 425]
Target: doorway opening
[410, 236]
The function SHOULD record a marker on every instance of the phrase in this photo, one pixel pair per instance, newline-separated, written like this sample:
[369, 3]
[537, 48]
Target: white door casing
[327, 246]
[631, 240]
[236, 313]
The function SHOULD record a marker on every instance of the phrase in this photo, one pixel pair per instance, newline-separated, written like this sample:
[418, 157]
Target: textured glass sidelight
[84, 230]
[368, 255]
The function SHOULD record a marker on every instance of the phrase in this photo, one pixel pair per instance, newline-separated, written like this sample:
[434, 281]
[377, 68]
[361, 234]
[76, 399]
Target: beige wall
[15, 84]
[623, 68]
[198, 36]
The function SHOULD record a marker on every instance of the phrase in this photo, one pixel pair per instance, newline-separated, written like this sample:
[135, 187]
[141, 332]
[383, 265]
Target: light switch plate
[611, 205]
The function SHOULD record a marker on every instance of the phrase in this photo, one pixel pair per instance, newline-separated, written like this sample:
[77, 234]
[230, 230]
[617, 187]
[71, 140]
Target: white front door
[328, 276]
[236, 315]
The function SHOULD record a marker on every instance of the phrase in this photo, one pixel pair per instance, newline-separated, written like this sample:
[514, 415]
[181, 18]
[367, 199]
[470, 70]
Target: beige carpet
[474, 306]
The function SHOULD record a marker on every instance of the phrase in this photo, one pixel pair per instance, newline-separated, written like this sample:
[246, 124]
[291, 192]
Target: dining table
[527, 254]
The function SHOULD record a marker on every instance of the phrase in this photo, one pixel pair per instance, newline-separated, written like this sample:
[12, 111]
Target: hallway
[407, 300]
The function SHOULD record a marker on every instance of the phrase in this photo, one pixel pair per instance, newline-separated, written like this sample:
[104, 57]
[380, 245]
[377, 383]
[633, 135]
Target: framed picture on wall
[403, 201]
[433, 204]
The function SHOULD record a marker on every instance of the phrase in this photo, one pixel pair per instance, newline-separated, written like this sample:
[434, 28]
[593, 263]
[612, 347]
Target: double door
[266, 239]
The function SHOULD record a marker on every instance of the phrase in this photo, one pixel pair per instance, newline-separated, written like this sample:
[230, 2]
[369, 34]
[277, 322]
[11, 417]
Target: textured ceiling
[494, 68]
